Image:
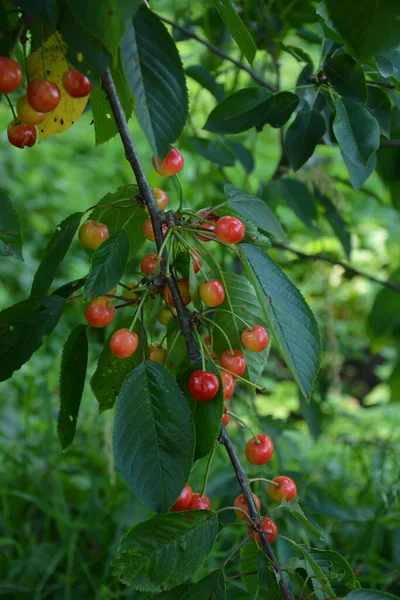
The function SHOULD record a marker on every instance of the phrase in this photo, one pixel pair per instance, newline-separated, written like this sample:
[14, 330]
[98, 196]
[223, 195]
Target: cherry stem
[234, 415]
[236, 548]
[137, 314]
[200, 341]
[11, 106]
[188, 247]
[163, 245]
[44, 57]
[229, 312]
[62, 49]
[170, 348]
[275, 483]
[221, 330]
[236, 508]
[206, 474]
[250, 383]
[180, 190]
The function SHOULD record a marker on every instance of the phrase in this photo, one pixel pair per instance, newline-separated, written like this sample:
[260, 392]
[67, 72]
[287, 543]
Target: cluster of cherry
[41, 98]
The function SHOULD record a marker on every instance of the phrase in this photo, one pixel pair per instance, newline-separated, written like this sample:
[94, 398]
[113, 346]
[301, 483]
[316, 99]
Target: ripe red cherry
[255, 339]
[184, 499]
[156, 353]
[259, 453]
[228, 384]
[287, 488]
[203, 386]
[21, 135]
[76, 84]
[230, 230]
[236, 362]
[212, 292]
[100, 312]
[240, 502]
[226, 418]
[43, 96]
[199, 503]
[149, 264]
[161, 199]
[92, 234]
[165, 316]
[10, 75]
[183, 285]
[270, 529]
[172, 163]
[209, 224]
[26, 114]
[123, 343]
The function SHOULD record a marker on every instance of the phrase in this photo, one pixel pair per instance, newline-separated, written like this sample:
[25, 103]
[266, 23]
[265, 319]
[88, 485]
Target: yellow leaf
[70, 109]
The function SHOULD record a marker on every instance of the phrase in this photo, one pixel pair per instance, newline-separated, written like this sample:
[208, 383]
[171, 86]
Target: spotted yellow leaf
[70, 109]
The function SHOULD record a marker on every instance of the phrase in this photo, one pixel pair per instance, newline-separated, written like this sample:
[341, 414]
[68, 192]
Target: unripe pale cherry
[286, 489]
[183, 285]
[100, 312]
[43, 96]
[123, 343]
[76, 84]
[10, 75]
[230, 230]
[269, 527]
[260, 451]
[21, 135]
[240, 502]
[199, 503]
[149, 264]
[255, 339]
[91, 234]
[165, 316]
[234, 362]
[212, 292]
[28, 115]
[184, 499]
[172, 163]
[203, 386]
[156, 353]
[161, 199]
[228, 384]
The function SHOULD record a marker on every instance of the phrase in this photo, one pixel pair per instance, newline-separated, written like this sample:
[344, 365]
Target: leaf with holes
[72, 381]
[303, 135]
[155, 74]
[153, 436]
[291, 321]
[108, 265]
[239, 112]
[356, 131]
[237, 28]
[10, 231]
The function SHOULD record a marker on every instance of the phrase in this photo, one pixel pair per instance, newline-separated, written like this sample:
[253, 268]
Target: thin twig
[386, 84]
[389, 144]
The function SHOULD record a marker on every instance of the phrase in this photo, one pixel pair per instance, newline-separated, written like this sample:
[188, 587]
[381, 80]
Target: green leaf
[237, 28]
[317, 573]
[381, 107]
[165, 550]
[368, 27]
[72, 381]
[290, 318]
[207, 416]
[339, 570]
[255, 210]
[66, 290]
[23, 329]
[298, 53]
[394, 382]
[297, 195]
[206, 80]
[248, 564]
[359, 175]
[303, 135]
[216, 151]
[55, 252]
[10, 231]
[239, 112]
[338, 224]
[153, 436]
[370, 595]
[295, 509]
[244, 156]
[177, 351]
[346, 77]
[279, 109]
[269, 578]
[108, 265]
[45, 10]
[212, 587]
[356, 131]
[155, 74]
[383, 322]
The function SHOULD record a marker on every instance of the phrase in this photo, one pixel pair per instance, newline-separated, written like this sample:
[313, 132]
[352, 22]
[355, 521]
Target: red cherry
[123, 343]
[269, 527]
[92, 235]
[225, 417]
[196, 259]
[165, 316]
[212, 292]
[183, 285]
[172, 163]
[259, 453]
[21, 135]
[203, 386]
[76, 84]
[156, 353]
[230, 230]
[240, 502]
[161, 199]
[287, 488]
[184, 499]
[255, 339]
[26, 114]
[10, 75]
[149, 264]
[199, 503]
[43, 96]
[236, 362]
[228, 384]
[100, 312]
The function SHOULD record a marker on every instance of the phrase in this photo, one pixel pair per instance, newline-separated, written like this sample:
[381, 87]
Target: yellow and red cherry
[10, 76]
[165, 316]
[269, 527]
[21, 135]
[156, 353]
[76, 84]
[203, 386]
[148, 231]
[43, 96]
[171, 165]
[240, 502]
[100, 312]
[184, 499]
[91, 234]
[230, 230]
[149, 264]
[123, 343]
[286, 488]
[233, 361]
[255, 338]
[199, 502]
[228, 384]
[183, 286]
[161, 199]
[259, 451]
[225, 417]
[26, 114]
[212, 292]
